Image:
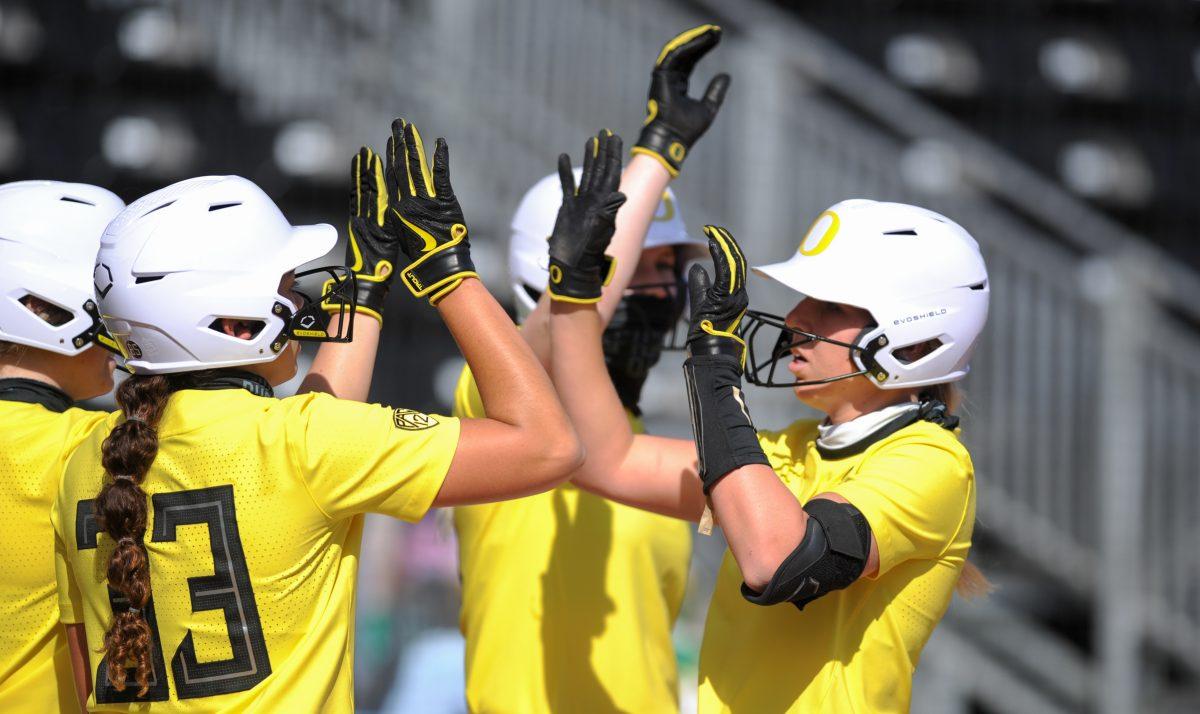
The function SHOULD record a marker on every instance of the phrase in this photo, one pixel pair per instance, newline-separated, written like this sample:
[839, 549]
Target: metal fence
[1081, 407]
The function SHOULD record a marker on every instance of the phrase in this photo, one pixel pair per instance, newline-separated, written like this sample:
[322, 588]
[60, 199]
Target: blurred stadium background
[1059, 132]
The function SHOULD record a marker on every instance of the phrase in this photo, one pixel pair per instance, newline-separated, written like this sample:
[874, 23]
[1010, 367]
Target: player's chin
[803, 373]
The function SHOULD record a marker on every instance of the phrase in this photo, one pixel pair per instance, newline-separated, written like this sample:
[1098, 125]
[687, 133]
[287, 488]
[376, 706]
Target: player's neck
[870, 402]
[36, 365]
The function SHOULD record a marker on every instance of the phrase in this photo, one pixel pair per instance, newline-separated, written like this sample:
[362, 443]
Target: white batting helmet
[181, 258]
[919, 274]
[49, 235]
[528, 250]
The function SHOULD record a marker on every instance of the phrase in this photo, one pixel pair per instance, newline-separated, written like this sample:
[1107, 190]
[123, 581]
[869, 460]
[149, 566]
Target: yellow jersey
[568, 599]
[256, 510]
[853, 650]
[35, 667]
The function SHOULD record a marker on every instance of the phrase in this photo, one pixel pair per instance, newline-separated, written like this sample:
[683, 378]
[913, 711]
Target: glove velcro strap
[579, 285]
[718, 342]
[663, 144]
[725, 436]
[439, 271]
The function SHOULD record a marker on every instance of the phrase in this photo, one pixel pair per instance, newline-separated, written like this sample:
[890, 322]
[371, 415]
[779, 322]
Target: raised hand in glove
[579, 269]
[717, 308]
[371, 250]
[425, 216]
[675, 121]
[725, 436]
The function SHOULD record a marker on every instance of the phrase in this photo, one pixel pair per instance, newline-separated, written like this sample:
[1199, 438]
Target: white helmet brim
[308, 243]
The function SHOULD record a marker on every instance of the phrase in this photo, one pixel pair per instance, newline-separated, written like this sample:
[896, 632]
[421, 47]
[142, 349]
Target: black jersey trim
[31, 391]
[931, 410]
[225, 379]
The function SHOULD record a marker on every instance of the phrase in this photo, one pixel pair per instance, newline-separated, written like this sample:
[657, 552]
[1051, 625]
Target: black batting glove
[674, 121]
[425, 216]
[726, 439]
[579, 269]
[371, 250]
[717, 308]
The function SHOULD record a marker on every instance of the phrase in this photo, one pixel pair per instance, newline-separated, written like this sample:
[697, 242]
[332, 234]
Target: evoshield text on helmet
[920, 276]
[183, 258]
[49, 235]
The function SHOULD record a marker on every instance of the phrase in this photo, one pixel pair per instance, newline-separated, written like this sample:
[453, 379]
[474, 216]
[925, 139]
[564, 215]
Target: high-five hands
[718, 307]
[579, 269]
[424, 214]
[675, 121]
[725, 436]
[371, 250]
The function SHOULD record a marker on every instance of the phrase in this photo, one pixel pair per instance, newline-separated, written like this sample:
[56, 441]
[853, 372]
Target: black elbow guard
[831, 556]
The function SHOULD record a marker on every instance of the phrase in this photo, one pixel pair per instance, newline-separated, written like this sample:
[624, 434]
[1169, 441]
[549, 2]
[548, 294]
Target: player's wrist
[714, 385]
[441, 271]
[666, 146]
[580, 284]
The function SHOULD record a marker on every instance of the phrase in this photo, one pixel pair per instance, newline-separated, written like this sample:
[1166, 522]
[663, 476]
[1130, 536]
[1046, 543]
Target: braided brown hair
[122, 512]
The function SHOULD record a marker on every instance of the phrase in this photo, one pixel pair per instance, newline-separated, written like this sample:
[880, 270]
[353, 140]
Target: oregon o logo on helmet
[922, 316]
[826, 238]
[666, 209]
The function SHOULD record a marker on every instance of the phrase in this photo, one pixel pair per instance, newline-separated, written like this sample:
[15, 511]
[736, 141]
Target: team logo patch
[410, 420]
[132, 349]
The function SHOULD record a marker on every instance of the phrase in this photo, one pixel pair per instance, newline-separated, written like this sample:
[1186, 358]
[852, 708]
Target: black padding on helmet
[831, 556]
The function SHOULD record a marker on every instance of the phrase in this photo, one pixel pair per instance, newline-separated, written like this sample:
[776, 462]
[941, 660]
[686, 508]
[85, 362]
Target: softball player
[207, 535]
[569, 599]
[49, 328]
[847, 535]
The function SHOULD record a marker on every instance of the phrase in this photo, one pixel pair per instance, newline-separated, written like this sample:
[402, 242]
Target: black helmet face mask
[635, 339]
[674, 334]
[310, 322]
[769, 342]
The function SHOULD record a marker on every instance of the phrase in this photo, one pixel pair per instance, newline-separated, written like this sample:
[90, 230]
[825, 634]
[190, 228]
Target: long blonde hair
[972, 583]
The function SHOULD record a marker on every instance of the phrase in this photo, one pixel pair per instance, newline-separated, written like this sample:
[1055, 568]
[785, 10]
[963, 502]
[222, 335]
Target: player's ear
[241, 329]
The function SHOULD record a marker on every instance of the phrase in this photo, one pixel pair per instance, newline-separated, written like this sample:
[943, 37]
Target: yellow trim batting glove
[675, 121]
[371, 250]
[425, 215]
[726, 439]
[717, 308]
[579, 269]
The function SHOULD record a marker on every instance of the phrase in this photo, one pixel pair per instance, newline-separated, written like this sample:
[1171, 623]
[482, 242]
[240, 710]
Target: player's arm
[785, 550]
[645, 472]
[345, 369]
[649, 472]
[80, 667]
[526, 444]
[674, 123]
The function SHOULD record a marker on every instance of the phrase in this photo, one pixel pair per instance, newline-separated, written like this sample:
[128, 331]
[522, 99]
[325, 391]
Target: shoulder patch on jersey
[411, 420]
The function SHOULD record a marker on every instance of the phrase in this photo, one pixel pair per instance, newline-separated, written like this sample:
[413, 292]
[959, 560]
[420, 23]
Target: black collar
[225, 379]
[931, 411]
[31, 391]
